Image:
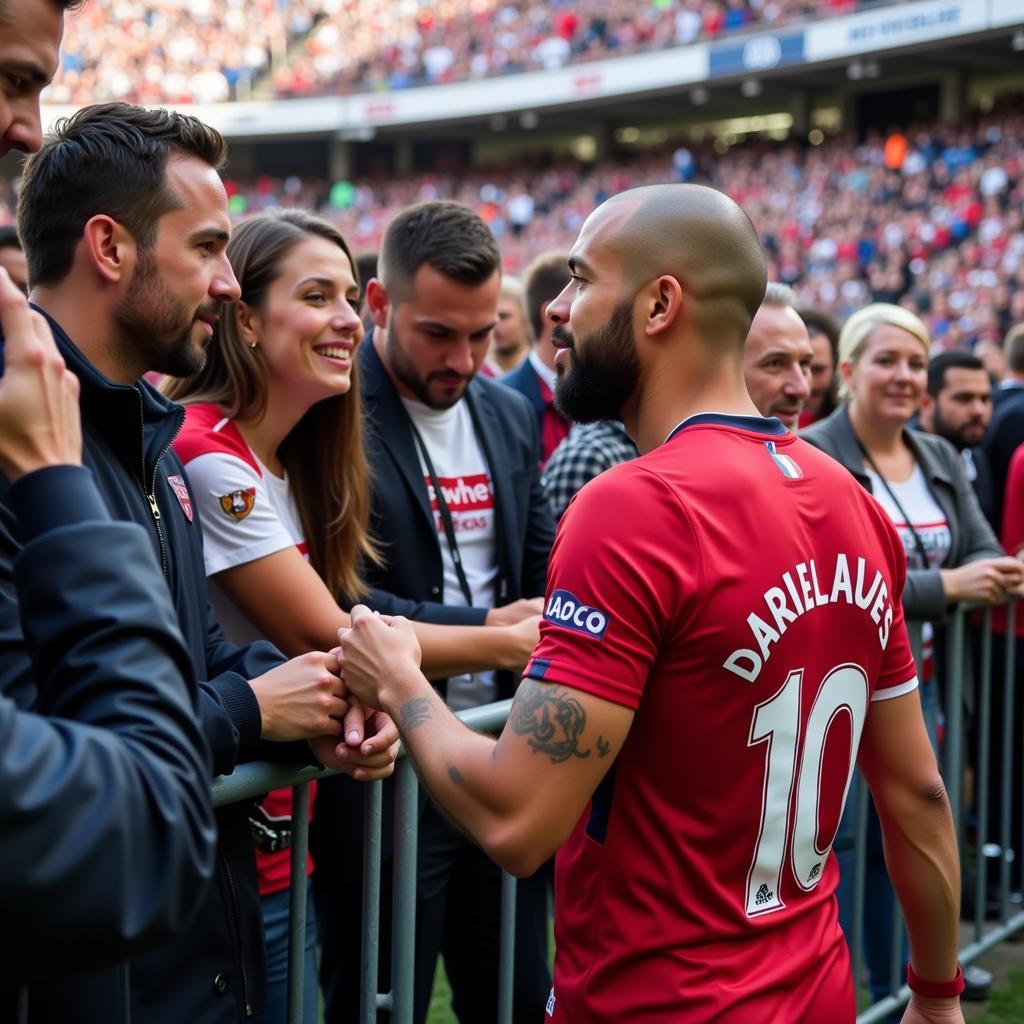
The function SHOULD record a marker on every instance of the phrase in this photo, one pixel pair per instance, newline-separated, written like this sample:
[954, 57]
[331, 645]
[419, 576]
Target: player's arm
[897, 759]
[282, 595]
[519, 796]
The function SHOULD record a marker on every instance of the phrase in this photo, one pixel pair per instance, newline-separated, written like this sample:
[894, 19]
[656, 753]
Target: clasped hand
[306, 698]
[380, 655]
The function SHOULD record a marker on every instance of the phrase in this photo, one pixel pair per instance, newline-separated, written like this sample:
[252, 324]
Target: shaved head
[695, 234]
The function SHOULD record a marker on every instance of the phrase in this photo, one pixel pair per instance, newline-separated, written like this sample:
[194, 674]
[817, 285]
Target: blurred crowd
[201, 51]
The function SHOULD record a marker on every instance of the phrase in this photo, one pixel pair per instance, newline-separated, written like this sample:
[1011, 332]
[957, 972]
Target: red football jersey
[741, 592]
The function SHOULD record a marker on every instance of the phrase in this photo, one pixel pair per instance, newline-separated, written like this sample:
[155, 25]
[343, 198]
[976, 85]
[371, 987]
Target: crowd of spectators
[942, 232]
[931, 218]
[204, 51]
[175, 51]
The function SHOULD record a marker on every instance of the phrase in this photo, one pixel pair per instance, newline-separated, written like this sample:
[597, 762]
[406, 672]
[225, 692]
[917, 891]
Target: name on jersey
[566, 610]
[801, 592]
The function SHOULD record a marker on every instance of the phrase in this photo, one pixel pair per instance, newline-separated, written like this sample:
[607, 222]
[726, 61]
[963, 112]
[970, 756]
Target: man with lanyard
[465, 531]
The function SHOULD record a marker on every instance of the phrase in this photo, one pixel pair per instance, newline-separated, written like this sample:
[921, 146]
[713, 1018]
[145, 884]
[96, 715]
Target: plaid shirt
[590, 449]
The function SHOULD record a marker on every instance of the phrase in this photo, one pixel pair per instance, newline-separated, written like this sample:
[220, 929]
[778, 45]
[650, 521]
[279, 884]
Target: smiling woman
[273, 447]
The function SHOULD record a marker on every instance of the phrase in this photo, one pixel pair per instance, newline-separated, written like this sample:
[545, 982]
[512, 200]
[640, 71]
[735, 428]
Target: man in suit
[465, 530]
[1012, 384]
[957, 405]
[535, 376]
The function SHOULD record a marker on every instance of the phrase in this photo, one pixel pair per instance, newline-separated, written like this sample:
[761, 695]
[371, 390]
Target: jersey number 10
[792, 758]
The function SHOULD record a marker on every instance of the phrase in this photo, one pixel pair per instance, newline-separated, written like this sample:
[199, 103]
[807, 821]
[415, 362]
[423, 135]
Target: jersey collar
[770, 425]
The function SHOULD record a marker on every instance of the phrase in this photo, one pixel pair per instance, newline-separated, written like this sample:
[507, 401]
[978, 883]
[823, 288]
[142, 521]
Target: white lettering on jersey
[803, 593]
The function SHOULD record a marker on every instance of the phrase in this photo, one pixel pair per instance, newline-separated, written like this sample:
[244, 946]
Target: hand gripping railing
[256, 778]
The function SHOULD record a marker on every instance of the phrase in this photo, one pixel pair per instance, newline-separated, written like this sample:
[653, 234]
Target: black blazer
[971, 537]
[411, 580]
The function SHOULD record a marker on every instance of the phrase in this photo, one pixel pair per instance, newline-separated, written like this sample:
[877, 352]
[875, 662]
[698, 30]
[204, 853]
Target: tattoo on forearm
[553, 722]
[455, 775]
[413, 713]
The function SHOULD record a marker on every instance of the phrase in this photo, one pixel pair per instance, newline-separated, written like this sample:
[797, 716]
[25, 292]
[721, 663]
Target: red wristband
[936, 989]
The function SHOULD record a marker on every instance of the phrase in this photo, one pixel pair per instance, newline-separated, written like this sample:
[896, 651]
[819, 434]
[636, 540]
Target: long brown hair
[323, 453]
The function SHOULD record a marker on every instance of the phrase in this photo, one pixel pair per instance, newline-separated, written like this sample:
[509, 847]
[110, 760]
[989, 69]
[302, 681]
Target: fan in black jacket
[124, 221]
[107, 782]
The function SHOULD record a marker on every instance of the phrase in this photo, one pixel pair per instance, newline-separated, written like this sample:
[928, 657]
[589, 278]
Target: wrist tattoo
[553, 722]
[413, 713]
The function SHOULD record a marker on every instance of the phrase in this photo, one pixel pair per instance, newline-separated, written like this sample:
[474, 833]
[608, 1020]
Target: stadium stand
[942, 232]
[201, 51]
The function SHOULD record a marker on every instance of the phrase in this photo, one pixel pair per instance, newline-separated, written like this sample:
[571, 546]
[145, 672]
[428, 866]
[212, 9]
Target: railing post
[297, 902]
[1010, 727]
[953, 761]
[403, 911]
[369, 962]
[507, 950]
[860, 860]
[984, 781]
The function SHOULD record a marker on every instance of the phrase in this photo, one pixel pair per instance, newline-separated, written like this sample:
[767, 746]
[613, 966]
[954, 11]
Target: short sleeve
[622, 572]
[239, 521]
[898, 673]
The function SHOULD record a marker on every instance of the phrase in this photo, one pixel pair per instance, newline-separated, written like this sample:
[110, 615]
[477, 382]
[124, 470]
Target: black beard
[155, 328]
[402, 368]
[596, 386]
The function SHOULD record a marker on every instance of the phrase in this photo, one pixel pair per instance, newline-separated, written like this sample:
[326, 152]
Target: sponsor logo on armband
[565, 609]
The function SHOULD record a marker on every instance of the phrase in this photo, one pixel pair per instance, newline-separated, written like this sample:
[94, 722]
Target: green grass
[1006, 1005]
[440, 1011]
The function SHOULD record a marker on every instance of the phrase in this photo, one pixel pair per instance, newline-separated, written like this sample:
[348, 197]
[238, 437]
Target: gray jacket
[971, 538]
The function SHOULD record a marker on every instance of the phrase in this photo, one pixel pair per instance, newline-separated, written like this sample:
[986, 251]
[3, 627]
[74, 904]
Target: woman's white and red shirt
[246, 513]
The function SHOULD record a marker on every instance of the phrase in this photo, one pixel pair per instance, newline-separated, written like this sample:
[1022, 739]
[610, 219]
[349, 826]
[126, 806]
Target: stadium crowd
[200, 51]
[941, 231]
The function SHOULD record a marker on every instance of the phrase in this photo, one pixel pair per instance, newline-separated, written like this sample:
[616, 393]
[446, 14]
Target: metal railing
[960, 666]
[256, 778]
[251, 780]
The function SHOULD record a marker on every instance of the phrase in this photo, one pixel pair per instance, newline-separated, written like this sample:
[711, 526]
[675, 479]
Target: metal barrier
[250, 780]
[960, 667]
[255, 779]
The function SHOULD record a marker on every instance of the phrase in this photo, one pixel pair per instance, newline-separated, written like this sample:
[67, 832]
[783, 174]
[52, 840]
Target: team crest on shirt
[785, 465]
[238, 504]
[566, 610]
[180, 489]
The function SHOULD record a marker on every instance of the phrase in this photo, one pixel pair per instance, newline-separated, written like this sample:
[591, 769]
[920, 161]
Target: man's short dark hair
[543, 281]
[1013, 348]
[956, 358]
[817, 321]
[9, 237]
[110, 159]
[446, 236]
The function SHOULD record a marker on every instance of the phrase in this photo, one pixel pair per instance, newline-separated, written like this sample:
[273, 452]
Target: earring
[252, 345]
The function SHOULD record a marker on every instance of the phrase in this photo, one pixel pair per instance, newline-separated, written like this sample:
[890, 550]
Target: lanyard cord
[446, 516]
[918, 543]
